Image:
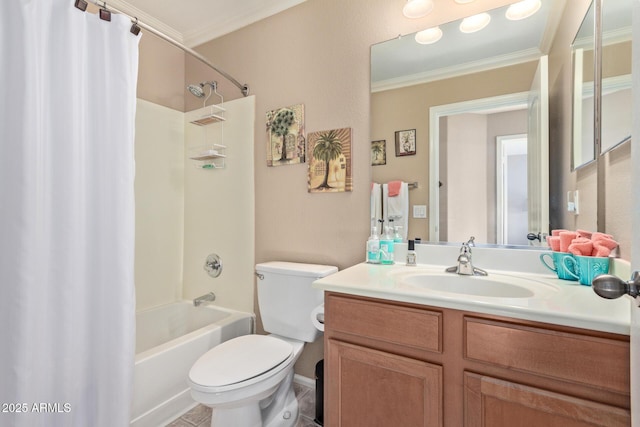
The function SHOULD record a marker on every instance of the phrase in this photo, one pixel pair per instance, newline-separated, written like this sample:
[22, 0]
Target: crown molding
[215, 30]
[486, 64]
[147, 19]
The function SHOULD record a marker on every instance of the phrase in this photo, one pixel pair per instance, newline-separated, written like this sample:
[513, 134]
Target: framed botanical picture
[286, 138]
[406, 142]
[329, 155]
[378, 152]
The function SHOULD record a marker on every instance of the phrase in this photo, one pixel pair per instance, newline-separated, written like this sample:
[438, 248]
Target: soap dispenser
[386, 247]
[373, 245]
[411, 254]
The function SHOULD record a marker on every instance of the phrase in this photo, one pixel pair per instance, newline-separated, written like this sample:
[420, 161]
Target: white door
[511, 190]
[538, 151]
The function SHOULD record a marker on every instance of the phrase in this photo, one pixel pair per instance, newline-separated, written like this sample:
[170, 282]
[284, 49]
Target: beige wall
[161, 71]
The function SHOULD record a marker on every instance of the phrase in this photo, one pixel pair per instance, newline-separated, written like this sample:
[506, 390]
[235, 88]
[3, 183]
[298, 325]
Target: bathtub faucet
[204, 298]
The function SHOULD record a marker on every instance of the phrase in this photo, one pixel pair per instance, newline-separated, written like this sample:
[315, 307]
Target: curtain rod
[244, 88]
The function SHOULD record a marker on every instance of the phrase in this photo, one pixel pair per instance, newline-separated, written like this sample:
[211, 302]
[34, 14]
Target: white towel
[376, 204]
[397, 208]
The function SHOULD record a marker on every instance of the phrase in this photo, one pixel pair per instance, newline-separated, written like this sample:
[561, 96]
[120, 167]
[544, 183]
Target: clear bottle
[386, 247]
[397, 237]
[373, 245]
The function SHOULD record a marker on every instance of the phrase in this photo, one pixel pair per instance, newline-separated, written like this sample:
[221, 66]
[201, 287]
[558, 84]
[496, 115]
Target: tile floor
[200, 416]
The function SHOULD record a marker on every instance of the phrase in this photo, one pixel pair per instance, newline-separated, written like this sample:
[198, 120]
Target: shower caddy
[210, 156]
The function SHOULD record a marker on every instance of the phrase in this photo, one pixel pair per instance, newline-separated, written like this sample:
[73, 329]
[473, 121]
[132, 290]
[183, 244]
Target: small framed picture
[406, 142]
[379, 152]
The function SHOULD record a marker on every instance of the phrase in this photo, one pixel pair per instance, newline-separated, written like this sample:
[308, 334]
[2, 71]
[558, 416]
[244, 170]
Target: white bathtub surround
[67, 109]
[159, 188]
[169, 340]
[219, 208]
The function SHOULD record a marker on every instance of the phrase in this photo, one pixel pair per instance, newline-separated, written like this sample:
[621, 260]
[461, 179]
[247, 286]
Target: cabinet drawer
[594, 361]
[407, 326]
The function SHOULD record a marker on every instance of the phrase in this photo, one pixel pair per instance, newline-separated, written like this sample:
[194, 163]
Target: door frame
[510, 101]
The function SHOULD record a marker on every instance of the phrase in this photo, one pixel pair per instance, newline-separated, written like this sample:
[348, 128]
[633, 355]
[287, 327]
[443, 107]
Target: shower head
[198, 90]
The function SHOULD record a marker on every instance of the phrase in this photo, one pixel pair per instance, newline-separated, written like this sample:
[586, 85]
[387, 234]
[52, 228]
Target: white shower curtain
[67, 107]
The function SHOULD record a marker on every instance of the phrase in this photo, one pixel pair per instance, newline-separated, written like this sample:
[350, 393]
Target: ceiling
[193, 22]
[402, 61]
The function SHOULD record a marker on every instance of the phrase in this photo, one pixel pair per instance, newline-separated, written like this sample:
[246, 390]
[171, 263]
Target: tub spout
[204, 298]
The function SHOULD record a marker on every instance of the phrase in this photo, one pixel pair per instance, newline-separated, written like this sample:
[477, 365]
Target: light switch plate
[419, 211]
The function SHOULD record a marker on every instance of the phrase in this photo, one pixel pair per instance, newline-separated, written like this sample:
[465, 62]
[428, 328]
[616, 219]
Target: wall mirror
[615, 85]
[616, 113]
[583, 89]
[480, 83]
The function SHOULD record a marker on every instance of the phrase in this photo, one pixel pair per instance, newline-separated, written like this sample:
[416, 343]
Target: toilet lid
[239, 359]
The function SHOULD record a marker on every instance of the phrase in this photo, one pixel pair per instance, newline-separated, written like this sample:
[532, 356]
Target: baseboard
[304, 381]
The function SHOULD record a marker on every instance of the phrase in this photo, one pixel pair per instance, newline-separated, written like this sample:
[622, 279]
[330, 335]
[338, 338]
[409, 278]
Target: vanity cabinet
[390, 363]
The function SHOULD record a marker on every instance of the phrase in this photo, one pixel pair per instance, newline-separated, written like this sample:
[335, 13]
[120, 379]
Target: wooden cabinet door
[489, 402]
[367, 387]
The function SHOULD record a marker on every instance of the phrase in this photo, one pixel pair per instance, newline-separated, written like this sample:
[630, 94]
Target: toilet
[248, 380]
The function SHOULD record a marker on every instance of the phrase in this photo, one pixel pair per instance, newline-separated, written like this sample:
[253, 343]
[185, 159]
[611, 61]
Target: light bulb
[474, 23]
[417, 8]
[429, 36]
[523, 9]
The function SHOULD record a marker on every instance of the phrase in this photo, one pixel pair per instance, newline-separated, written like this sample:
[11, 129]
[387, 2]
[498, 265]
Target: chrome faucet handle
[471, 241]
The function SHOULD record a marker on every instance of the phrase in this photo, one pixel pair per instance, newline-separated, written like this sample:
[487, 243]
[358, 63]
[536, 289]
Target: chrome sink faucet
[204, 298]
[465, 267]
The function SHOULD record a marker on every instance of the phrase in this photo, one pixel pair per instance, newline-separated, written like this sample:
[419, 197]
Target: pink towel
[603, 244]
[557, 232]
[394, 188]
[581, 246]
[554, 243]
[585, 233]
[565, 240]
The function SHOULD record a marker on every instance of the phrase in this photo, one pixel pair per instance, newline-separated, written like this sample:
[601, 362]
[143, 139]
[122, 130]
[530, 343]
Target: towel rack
[413, 185]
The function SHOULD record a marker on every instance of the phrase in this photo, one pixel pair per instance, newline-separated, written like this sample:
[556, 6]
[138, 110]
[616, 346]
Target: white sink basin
[492, 286]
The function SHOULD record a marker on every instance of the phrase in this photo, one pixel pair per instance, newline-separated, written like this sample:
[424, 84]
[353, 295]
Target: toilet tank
[286, 298]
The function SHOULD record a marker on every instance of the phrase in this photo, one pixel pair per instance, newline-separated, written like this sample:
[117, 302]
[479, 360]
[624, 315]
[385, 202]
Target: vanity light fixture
[523, 9]
[474, 23]
[417, 8]
[429, 36]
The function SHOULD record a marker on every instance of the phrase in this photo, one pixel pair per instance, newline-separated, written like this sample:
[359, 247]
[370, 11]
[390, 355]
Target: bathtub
[169, 339]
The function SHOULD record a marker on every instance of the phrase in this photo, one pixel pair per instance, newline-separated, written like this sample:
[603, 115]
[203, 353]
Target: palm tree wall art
[286, 139]
[379, 152]
[330, 161]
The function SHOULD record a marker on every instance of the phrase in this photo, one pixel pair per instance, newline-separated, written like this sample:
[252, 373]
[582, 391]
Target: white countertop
[560, 302]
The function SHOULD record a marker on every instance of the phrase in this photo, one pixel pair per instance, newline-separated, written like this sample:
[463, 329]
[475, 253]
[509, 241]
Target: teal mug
[557, 265]
[585, 268]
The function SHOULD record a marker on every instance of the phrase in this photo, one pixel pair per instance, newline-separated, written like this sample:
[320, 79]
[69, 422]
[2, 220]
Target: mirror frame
[577, 92]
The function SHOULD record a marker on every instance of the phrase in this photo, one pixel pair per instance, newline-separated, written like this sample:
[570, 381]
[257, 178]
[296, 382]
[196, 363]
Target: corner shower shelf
[210, 157]
[214, 114]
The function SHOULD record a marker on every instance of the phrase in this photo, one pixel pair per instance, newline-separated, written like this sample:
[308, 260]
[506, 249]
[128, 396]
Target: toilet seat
[232, 364]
